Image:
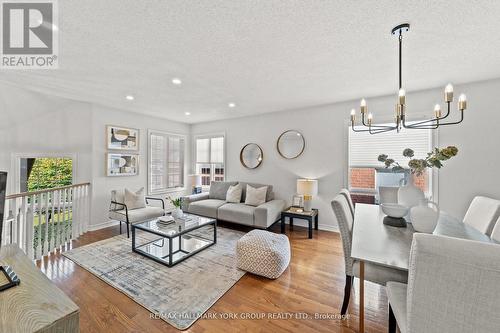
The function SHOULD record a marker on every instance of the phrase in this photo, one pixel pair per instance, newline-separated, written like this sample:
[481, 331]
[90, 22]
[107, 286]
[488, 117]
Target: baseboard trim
[324, 227]
[94, 227]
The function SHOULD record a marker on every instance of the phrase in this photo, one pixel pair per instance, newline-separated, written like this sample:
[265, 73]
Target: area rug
[179, 294]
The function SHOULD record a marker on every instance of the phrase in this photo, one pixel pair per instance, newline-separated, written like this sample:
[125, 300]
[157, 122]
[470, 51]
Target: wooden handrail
[28, 194]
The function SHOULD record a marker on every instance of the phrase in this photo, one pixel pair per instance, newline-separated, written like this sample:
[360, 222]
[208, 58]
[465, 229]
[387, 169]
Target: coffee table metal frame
[170, 237]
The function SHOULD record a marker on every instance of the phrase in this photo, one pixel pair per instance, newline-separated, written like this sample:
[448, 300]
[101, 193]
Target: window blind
[210, 150]
[364, 147]
[166, 161]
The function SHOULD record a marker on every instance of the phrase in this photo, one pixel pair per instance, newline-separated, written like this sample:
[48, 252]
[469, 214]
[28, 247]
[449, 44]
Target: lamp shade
[307, 186]
[194, 180]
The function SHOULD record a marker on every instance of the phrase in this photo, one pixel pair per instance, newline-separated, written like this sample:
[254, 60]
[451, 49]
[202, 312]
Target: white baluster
[52, 224]
[22, 224]
[38, 244]
[46, 220]
[58, 238]
[29, 227]
[87, 208]
[13, 225]
[74, 224]
[64, 220]
[70, 215]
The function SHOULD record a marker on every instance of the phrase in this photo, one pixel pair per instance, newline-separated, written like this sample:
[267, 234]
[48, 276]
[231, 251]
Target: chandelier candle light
[400, 111]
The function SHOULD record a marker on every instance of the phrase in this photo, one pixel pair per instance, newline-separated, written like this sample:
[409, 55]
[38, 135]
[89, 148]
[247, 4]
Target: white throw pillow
[135, 200]
[255, 196]
[234, 193]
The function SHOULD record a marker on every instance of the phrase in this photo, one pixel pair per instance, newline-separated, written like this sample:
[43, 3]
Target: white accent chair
[495, 234]
[482, 214]
[388, 194]
[373, 273]
[453, 287]
[119, 211]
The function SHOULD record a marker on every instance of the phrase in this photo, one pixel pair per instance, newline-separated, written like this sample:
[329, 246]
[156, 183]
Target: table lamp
[195, 183]
[307, 188]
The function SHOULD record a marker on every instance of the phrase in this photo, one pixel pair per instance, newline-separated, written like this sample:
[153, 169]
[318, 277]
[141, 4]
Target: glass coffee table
[172, 243]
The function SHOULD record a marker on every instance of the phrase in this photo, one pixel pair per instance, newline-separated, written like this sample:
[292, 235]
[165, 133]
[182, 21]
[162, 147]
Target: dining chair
[482, 214]
[495, 234]
[452, 287]
[345, 192]
[388, 194]
[373, 273]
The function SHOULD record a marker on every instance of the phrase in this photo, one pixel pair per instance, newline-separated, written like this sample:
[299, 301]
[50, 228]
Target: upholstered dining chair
[482, 214]
[373, 273]
[495, 234]
[388, 194]
[452, 287]
[345, 192]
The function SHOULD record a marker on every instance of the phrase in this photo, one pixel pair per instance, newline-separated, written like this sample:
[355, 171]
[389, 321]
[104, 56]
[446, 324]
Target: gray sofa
[213, 204]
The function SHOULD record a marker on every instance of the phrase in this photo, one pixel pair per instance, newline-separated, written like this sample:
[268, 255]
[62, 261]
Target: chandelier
[400, 112]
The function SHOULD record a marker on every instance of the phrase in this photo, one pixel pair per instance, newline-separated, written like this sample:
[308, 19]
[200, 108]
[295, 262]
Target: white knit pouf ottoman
[263, 253]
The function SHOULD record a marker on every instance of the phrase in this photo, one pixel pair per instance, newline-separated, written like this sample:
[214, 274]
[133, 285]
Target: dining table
[377, 243]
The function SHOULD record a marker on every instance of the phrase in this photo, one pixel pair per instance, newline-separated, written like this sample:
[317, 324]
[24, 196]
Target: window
[44, 173]
[366, 173]
[166, 161]
[209, 158]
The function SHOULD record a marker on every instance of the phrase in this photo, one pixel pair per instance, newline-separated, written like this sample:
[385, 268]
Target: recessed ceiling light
[187, 113]
[176, 81]
[129, 97]
[232, 105]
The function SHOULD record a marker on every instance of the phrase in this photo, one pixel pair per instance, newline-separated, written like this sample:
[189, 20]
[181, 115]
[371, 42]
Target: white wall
[474, 171]
[36, 124]
[101, 184]
[33, 123]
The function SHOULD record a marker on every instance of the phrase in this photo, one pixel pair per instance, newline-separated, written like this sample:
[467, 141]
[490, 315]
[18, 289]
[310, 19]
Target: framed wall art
[122, 138]
[122, 164]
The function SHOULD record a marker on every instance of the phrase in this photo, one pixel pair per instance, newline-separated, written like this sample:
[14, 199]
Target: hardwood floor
[313, 283]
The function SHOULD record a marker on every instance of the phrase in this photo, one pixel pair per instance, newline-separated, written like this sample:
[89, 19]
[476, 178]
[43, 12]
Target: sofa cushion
[137, 215]
[237, 212]
[255, 196]
[234, 194]
[206, 208]
[218, 190]
[269, 193]
[135, 200]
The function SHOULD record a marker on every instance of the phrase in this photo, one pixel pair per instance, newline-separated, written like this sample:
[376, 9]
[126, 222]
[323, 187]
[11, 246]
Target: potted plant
[176, 202]
[410, 195]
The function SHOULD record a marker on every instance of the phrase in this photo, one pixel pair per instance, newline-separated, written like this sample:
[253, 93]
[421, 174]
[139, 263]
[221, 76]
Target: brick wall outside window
[364, 178]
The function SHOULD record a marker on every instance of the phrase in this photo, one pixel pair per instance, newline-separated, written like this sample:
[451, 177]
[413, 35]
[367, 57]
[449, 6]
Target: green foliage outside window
[50, 173]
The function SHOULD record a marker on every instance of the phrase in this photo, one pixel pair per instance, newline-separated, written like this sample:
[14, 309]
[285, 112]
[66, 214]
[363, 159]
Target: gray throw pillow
[255, 196]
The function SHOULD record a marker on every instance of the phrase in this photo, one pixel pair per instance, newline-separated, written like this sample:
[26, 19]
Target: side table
[292, 213]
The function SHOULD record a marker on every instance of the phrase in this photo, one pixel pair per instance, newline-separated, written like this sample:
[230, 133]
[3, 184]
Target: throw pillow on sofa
[255, 196]
[135, 200]
[234, 193]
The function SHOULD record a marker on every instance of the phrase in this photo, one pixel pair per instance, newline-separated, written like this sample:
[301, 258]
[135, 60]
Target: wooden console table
[36, 305]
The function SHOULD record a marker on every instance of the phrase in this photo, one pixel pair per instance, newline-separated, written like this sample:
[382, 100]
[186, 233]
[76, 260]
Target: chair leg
[392, 321]
[120, 227]
[128, 232]
[347, 294]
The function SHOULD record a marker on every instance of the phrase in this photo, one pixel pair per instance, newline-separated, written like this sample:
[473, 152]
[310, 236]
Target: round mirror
[251, 156]
[291, 144]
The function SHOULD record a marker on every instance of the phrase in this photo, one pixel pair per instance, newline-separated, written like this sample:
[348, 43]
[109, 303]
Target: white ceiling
[263, 55]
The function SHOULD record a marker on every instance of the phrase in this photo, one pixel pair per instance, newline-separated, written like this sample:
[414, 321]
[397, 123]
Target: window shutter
[166, 161]
[364, 147]
[217, 150]
[203, 150]
[157, 170]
